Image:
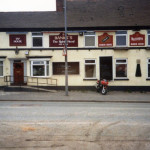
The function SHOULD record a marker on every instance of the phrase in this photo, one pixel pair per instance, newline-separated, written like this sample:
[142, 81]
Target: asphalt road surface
[77, 126]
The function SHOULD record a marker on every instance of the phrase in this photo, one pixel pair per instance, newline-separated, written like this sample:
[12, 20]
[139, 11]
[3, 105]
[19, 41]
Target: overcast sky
[27, 5]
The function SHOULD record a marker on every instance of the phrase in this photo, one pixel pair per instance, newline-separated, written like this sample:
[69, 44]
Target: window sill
[90, 47]
[148, 79]
[38, 47]
[125, 79]
[94, 79]
[40, 76]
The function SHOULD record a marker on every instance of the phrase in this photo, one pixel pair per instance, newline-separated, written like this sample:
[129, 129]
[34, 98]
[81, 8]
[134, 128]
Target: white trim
[90, 64]
[39, 59]
[2, 59]
[121, 63]
[45, 66]
[94, 39]
[37, 36]
[148, 63]
[148, 34]
[126, 39]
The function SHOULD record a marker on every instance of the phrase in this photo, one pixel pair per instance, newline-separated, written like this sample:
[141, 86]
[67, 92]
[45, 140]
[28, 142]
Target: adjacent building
[106, 39]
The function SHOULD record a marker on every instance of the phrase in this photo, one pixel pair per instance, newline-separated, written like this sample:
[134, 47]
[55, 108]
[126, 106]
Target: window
[121, 68]
[148, 66]
[89, 39]
[39, 68]
[121, 38]
[1, 68]
[59, 68]
[148, 37]
[90, 68]
[37, 39]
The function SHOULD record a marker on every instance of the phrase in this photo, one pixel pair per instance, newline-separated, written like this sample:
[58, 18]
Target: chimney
[59, 5]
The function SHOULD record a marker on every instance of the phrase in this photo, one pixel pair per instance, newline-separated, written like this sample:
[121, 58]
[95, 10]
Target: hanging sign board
[105, 40]
[137, 39]
[17, 40]
[64, 52]
[59, 40]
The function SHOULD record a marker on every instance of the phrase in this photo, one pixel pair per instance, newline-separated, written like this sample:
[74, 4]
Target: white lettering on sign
[61, 42]
[17, 40]
[63, 37]
[137, 39]
[137, 44]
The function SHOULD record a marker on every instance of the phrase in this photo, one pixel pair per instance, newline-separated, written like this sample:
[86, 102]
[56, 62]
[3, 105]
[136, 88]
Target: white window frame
[148, 63]
[89, 64]
[90, 35]
[148, 34]
[122, 35]
[3, 67]
[121, 63]
[37, 36]
[45, 67]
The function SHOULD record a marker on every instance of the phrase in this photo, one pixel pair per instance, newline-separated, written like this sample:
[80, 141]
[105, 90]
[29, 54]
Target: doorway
[106, 67]
[18, 73]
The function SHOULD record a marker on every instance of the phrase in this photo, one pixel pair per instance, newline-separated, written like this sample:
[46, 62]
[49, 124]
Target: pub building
[106, 40]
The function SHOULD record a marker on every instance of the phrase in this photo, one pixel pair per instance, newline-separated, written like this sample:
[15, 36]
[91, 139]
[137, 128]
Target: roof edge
[76, 28]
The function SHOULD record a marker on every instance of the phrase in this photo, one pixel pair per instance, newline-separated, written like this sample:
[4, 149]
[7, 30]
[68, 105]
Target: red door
[18, 73]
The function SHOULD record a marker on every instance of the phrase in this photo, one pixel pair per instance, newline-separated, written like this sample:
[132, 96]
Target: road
[67, 125]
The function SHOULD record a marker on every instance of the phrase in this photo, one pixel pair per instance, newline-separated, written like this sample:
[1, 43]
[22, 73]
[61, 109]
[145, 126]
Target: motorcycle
[102, 86]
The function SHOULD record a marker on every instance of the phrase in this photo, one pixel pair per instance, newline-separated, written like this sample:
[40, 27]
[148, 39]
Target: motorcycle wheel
[104, 91]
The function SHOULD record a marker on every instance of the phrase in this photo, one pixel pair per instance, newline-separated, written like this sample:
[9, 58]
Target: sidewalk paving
[76, 96]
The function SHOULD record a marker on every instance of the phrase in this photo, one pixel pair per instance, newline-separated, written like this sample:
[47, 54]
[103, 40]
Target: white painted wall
[80, 56]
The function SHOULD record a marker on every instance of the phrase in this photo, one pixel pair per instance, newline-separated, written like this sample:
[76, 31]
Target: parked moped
[102, 86]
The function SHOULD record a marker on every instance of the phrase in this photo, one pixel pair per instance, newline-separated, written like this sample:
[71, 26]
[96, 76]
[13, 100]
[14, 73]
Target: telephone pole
[66, 59]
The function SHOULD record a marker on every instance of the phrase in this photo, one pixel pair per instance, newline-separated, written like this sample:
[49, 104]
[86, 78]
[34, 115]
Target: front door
[18, 73]
[106, 71]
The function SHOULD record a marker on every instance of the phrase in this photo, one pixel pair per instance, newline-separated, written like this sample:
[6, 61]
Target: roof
[83, 14]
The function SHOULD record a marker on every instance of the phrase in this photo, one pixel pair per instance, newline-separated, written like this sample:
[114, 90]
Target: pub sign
[59, 40]
[17, 40]
[137, 39]
[105, 40]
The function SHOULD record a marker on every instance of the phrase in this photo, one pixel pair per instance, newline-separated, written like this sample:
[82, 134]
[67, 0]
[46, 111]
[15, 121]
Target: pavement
[77, 96]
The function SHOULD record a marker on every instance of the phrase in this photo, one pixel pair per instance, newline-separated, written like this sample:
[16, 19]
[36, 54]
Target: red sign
[17, 40]
[105, 40]
[137, 39]
[59, 40]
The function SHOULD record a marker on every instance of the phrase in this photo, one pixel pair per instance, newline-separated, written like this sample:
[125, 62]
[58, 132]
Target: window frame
[94, 35]
[90, 64]
[148, 34]
[121, 63]
[45, 67]
[123, 34]
[37, 36]
[3, 67]
[148, 63]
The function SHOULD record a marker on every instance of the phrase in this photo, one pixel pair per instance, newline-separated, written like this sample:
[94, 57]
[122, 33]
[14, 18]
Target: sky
[27, 5]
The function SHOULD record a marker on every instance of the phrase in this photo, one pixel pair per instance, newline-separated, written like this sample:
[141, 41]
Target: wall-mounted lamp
[26, 52]
[81, 33]
[17, 51]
